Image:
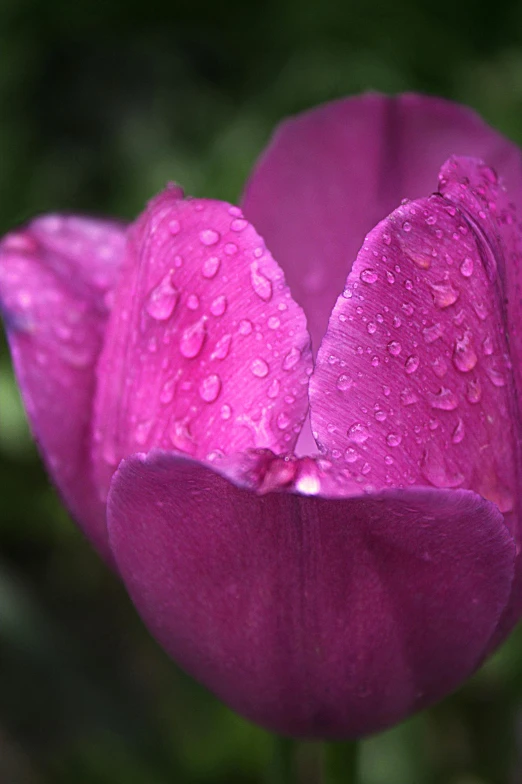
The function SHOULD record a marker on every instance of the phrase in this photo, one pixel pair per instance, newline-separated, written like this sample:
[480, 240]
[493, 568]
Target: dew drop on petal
[222, 348]
[192, 339]
[210, 388]
[458, 432]
[464, 356]
[174, 227]
[393, 439]
[394, 348]
[474, 391]
[291, 359]
[443, 294]
[445, 400]
[411, 364]
[192, 302]
[283, 420]
[259, 367]
[226, 411]
[496, 377]
[219, 306]
[466, 268]
[260, 283]
[358, 433]
[273, 389]
[351, 455]
[344, 383]
[211, 267]
[162, 299]
[209, 237]
[368, 276]
[245, 327]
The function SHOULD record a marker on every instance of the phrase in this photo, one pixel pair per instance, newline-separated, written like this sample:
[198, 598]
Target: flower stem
[341, 763]
[282, 769]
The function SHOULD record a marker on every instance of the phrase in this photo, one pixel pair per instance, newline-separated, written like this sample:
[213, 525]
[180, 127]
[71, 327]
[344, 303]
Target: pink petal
[55, 279]
[413, 382]
[311, 616]
[330, 174]
[206, 351]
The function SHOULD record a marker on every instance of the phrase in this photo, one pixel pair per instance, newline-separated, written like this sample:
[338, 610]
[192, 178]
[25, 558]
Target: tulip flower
[298, 446]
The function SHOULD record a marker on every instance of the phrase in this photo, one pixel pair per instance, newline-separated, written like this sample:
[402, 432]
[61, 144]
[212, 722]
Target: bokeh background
[101, 104]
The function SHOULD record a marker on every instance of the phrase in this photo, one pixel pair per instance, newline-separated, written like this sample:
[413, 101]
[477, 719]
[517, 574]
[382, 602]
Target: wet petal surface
[56, 276]
[413, 383]
[312, 616]
[207, 353]
[330, 174]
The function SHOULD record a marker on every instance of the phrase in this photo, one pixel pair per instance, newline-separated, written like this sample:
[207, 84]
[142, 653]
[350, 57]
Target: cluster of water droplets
[418, 358]
[225, 346]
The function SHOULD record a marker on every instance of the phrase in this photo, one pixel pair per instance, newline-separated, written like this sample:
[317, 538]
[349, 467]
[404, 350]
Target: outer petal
[55, 276]
[330, 174]
[206, 352]
[413, 383]
[311, 616]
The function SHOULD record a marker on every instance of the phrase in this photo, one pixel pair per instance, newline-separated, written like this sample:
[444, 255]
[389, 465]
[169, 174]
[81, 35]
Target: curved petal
[330, 174]
[56, 275]
[311, 616]
[206, 352]
[413, 382]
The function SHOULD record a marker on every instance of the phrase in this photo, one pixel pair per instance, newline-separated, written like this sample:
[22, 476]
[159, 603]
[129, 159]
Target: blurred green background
[99, 106]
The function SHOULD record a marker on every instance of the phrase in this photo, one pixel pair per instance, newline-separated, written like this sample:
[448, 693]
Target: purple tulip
[166, 369]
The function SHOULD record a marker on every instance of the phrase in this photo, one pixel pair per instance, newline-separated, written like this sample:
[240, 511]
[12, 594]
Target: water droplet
[358, 433]
[167, 393]
[209, 237]
[445, 399]
[291, 359]
[210, 388]
[433, 333]
[351, 455]
[481, 310]
[408, 284]
[142, 431]
[192, 302]
[222, 347]
[283, 421]
[380, 415]
[466, 268]
[458, 432]
[210, 267]
[219, 306]
[174, 227]
[192, 339]
[181, 437]
[273, 389]
[239, 224]
[273, 322]
[406, 226]
[443, 294]
[394, 348]
[230, 248]
[226, 411]
[487, 346]
[386, 238]
[408, 397]
[411, 364]
[162, 299]
[474, 391]
[371, 328]
[393, 439]
[260, 283]
[496, 377]
[245, 327]
[259, 367]
[368, 276]
[436, 471]
[464, 356]
[390, 277]
[344, 383]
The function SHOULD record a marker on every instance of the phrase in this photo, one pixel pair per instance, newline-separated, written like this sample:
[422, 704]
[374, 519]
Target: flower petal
[56, 274]
[206, 351]
[311, 616]
[413, 382]
[330, 174]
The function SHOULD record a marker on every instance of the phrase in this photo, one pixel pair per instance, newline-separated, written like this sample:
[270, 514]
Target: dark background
[99, 106]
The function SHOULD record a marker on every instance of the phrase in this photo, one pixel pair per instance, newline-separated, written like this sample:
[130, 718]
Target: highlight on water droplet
[444, 294]
[464, 356]
[445, 400]
[222, 348]
[210, 267]
[260, 283]
[344, 383]
[291, 359]
[466, 268]
[368, 276]
[394, 348]
[411, 364]
[219, 305]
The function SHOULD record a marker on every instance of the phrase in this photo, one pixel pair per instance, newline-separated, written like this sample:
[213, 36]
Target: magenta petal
[413, 382]
[330, 174]
[206, 352]
[55, 279]
[314, 617]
